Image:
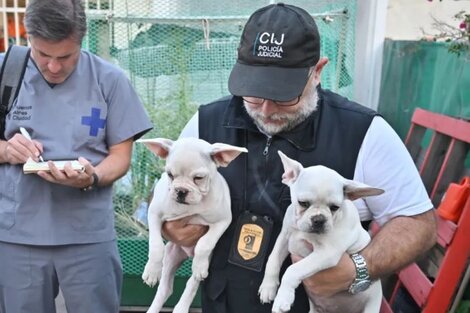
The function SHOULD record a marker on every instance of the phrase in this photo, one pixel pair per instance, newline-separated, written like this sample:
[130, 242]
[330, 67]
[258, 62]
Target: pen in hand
[25, 133]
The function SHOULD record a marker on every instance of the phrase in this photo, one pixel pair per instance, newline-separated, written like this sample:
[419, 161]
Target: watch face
[359, 286]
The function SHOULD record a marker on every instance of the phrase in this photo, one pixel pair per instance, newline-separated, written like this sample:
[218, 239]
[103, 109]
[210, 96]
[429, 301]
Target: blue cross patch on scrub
[94, 121]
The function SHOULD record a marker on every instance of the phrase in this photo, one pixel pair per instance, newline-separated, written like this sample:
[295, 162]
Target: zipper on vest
[266, 148]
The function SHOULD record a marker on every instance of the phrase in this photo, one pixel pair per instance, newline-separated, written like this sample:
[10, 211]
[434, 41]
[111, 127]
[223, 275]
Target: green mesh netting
[178, 54]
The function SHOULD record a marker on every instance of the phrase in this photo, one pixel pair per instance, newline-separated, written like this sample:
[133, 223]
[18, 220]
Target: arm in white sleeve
[384, 162]
[191, 129]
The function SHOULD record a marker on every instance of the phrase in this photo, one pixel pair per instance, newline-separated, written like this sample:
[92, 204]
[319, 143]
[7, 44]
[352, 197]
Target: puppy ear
[292, 169]
[354, 190]
[223, 154]
[159, 146]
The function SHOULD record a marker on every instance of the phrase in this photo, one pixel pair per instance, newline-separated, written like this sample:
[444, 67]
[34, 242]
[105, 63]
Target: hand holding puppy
[182, 233]
[331, 280]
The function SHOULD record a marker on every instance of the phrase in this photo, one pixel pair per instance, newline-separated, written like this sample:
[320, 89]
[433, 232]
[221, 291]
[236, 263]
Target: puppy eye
[334, 208]
[170, 175]
[198, 178]
[304, 204]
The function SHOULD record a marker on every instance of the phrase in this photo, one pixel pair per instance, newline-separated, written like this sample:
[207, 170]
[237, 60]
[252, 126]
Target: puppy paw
[283, 301]
[200, 269]
[152, 273]
[267, 291]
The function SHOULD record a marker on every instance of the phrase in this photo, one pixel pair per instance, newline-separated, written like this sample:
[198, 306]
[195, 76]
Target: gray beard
[289, 120]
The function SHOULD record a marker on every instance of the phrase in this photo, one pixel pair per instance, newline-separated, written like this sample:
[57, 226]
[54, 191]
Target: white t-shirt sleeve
[384, 162]
[191, 129]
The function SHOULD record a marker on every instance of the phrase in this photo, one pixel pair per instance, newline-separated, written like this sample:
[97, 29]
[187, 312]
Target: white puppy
[320, 225]
[190, 186]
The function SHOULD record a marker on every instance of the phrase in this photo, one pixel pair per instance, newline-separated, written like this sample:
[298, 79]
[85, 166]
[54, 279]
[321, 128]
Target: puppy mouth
[318, 224]
[182, 201]
[317, 230]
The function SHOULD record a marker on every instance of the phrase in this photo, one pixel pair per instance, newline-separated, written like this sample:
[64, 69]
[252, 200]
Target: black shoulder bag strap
[11, 77]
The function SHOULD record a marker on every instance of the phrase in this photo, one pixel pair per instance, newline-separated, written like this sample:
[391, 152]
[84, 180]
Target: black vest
[331, 136]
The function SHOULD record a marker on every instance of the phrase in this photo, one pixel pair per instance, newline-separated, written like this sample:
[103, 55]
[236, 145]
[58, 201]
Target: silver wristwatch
[362, 280]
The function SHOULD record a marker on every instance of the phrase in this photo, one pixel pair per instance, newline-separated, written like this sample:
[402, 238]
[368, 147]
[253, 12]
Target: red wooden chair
[443, 163]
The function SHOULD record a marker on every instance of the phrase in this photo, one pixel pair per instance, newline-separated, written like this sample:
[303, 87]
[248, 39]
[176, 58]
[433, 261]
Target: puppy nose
[181, 193]
[318, 221]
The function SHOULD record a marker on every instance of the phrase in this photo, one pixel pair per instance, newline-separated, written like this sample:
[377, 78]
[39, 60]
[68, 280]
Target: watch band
[94, 183]
[362, 271]
[362, 280]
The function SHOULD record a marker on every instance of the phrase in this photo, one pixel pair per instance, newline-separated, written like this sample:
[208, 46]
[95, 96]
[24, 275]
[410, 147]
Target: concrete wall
[407, 18]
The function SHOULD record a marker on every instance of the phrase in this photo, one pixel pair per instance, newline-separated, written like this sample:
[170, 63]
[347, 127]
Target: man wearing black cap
[278, 104]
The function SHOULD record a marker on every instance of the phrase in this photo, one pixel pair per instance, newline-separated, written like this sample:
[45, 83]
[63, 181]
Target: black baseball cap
[279, 44]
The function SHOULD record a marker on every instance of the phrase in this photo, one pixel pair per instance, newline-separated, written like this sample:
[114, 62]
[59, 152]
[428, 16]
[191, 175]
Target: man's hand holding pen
[25, 133]
[19, 148]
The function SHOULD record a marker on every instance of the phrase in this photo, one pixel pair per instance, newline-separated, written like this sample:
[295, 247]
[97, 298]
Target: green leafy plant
[127, 224]
[169, 115]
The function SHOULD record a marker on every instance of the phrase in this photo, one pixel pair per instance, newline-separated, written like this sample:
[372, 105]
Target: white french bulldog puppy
[190, 186]
[320, 225]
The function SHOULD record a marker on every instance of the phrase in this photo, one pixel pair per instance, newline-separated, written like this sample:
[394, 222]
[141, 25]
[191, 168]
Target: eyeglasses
[259, 101]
